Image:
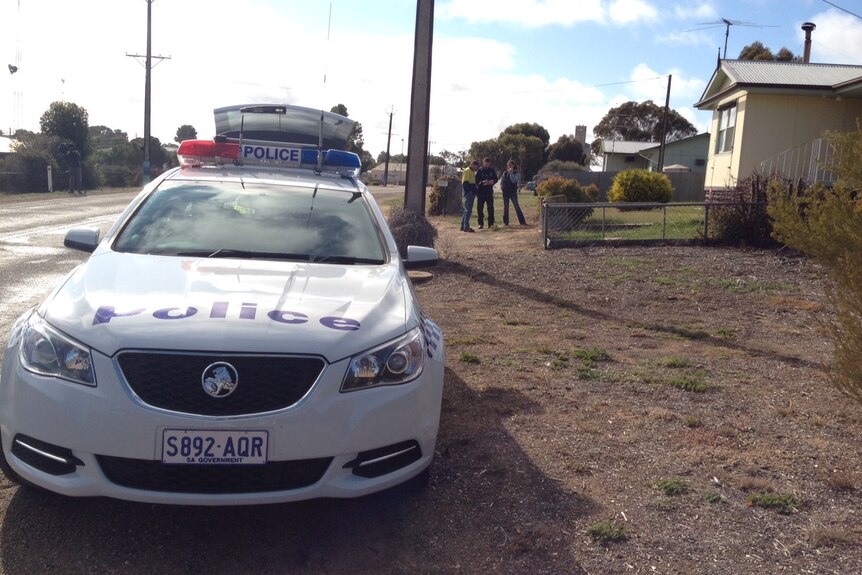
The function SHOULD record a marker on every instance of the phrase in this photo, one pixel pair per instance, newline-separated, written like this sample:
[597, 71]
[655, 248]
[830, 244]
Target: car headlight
[393, 363]
[47, 352]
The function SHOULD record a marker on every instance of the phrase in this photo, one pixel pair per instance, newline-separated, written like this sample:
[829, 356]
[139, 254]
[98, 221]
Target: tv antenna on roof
[727, 24]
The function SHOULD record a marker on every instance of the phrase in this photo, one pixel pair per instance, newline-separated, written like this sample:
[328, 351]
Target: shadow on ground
[452, 525]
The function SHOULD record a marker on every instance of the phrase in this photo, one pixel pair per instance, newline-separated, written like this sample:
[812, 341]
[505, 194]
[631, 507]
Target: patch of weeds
[671, 486]
[664, 505]
[674, 362]
[468, 357]
[543, 349]
[784, 503]
[692, 421]
[742, 285]
[727, 334]
[826, 536]
[559, 362]
[841, 482]
[687, 333]
[514, 322]
[605, 532]
[691, 383]
[580, 468]
[469, 340]
[587, 374]
[713, 497]
[591, 355]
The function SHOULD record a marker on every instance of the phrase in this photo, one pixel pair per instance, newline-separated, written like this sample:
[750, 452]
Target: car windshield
[232, 219]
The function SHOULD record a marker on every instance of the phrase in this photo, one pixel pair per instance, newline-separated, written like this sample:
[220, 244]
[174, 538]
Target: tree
[104, 138]
[355, 141]
[757, 51]
[641, 122]
[457, 159]
[525, 143]
[527, 129]
[567, 149]
[186, 132]
[69, 122]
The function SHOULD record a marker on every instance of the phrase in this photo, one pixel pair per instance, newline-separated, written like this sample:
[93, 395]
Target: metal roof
[769, 74]
[624, 146]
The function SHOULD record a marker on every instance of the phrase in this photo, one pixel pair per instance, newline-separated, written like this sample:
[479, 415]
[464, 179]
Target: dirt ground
[607, 410]
[639, 409]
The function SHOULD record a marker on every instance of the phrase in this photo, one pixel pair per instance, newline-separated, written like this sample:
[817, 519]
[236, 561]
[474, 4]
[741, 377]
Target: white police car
[244, 333]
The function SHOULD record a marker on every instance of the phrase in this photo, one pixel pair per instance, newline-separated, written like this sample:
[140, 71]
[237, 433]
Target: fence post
[705, 222]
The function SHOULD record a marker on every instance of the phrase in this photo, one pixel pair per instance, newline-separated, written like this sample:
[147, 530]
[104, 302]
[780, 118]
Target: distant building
[618, 156]
[686, 155]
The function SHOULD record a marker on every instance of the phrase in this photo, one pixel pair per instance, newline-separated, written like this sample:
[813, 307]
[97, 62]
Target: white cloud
[837, 38]
[696, 11]
[531, 13]
[632, 11]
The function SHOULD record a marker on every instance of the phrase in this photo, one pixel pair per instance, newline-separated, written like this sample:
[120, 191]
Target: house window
[726, 126]
[630, 159]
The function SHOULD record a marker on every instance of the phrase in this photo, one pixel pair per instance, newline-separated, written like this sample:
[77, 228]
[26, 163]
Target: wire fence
[569, 225]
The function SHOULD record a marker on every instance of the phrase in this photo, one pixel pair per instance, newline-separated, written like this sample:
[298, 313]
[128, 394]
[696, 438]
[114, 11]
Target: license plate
[204, 447]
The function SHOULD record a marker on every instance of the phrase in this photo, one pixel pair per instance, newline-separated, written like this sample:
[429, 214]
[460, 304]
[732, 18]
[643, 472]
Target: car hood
[123, 301]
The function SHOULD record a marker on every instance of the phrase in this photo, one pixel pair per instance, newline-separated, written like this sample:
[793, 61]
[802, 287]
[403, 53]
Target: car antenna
[320, 146]
[241, 127]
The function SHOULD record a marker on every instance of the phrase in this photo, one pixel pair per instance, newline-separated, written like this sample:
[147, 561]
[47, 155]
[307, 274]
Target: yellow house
[769, 117]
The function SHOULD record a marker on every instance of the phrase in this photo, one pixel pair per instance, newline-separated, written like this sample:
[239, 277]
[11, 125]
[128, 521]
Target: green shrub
[640, 186]
[571, 189]
[573, 193]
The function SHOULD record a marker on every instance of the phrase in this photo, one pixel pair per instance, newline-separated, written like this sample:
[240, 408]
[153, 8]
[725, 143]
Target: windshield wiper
[245, 254]
[346, 260]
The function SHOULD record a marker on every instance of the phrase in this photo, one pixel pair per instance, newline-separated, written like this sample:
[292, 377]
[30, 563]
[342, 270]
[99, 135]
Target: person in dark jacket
[486, 177]
[509, 183]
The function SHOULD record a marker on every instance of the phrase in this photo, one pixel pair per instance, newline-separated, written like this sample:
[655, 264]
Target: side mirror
[83, 239]
[420, 257]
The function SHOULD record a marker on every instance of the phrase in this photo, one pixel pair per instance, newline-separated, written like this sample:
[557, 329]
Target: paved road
[32, 256]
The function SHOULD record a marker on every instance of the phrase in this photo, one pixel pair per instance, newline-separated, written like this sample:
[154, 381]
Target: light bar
[197, 153]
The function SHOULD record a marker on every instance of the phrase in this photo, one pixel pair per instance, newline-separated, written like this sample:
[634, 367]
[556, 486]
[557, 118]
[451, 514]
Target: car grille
[172, 381]
[213, 479]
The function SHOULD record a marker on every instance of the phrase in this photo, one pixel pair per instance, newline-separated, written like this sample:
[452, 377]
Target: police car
[245, 333]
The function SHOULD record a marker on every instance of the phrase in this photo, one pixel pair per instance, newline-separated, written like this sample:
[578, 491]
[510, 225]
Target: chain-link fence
[567, 225]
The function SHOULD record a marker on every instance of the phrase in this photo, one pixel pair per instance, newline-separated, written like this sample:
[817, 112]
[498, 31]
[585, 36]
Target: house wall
[618, 163]
[685, 152]
[767, 125]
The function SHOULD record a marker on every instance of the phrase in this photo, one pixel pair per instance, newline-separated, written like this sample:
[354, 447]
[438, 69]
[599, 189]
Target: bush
[640, 186]
[573, 193]
[410, 229]
[826, 224]
[571, 189]
[746, 223]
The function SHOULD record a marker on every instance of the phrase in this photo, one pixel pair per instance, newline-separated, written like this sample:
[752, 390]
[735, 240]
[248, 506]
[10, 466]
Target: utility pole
[420, 108]
[664, 126]
[388, 139]
[148, 66]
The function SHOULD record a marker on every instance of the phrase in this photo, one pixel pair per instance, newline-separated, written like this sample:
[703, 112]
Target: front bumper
[105, 442]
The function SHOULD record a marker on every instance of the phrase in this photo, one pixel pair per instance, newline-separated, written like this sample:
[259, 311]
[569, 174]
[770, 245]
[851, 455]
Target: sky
[558, 63]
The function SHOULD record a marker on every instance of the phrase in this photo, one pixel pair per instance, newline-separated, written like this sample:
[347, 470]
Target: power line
[843, 9]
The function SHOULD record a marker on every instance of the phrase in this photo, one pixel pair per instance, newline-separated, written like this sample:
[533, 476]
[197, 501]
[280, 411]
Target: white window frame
[726, 129]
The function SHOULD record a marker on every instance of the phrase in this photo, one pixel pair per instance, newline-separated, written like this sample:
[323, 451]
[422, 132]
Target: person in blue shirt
[486, 177]
[509, 183]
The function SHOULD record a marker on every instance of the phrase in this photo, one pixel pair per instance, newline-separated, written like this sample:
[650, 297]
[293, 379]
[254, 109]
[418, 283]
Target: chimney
[808, 27]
